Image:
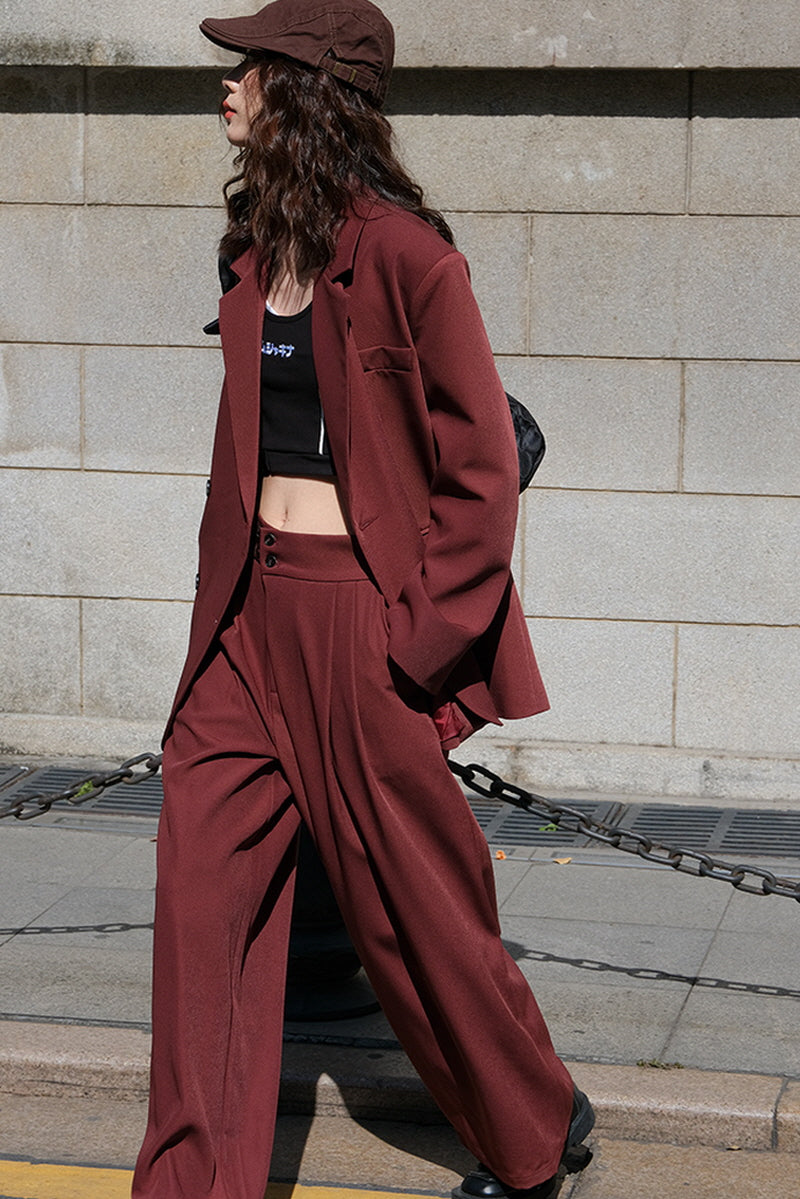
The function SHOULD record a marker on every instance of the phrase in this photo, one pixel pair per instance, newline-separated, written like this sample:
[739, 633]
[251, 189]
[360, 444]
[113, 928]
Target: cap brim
[237, 33]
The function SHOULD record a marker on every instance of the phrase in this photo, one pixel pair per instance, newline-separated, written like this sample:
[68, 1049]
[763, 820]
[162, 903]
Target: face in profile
[242, 102]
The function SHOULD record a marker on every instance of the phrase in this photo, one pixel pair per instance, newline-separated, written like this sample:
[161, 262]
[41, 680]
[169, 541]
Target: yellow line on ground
[296, 1190]
[30, 1180]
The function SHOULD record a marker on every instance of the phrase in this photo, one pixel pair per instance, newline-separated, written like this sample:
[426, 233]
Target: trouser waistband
[329, 556]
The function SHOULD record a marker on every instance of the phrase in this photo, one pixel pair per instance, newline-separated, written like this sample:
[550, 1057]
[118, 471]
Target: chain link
[751, 879]
[85, 789]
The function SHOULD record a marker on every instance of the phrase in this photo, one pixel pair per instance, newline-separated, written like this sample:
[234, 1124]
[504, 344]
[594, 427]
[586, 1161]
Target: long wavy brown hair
[314, 148]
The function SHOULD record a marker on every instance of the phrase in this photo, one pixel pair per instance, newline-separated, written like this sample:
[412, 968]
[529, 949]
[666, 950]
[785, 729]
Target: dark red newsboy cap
[351, 39]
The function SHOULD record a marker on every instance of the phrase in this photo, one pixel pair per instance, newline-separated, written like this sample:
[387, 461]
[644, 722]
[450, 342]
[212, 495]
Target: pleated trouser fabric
[296, 717]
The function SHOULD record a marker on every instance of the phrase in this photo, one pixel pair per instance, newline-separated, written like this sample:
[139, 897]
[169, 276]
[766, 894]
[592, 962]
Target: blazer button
[269, 539]
[197, 581]
[208, 488]
[271, 560]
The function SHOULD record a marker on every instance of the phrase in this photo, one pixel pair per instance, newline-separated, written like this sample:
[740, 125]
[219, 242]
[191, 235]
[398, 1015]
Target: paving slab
[590, 1021]
[26, 903]
[610, 952]
[132, 866]
[745, 1031]
[742, 914]
[112, 918]
[625, 1170]
[752, 957]
[31, 852]
[508, 875]
[61, 982]
[658, 897]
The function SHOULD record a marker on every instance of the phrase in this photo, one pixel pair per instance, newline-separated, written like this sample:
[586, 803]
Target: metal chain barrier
[751, 879]
[84, 790]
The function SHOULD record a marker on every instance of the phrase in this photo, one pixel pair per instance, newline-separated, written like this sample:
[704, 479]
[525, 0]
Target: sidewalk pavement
[674, 999]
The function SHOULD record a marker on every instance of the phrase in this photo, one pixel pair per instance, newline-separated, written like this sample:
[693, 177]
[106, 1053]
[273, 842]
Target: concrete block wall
[108, 392]
[635, 244]
[515, 33]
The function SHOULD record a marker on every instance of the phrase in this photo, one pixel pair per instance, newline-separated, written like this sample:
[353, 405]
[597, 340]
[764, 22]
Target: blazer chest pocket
[387, 358]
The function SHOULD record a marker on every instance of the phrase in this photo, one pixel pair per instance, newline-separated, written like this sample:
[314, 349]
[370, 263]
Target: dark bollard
[324, 979]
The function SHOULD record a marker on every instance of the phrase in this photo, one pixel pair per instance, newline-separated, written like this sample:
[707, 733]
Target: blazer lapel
[329, 333]
[330, 329]
[241, 322]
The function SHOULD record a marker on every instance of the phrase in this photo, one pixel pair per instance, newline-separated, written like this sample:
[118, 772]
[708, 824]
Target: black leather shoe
[483, 1184]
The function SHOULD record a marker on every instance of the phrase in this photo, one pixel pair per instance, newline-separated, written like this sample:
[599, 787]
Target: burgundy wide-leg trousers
[296, 717]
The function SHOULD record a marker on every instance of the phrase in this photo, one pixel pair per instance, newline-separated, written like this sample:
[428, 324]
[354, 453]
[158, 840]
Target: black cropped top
[293, 440]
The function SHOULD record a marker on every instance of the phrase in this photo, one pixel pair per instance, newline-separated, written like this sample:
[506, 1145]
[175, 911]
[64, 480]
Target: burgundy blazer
[423, 444]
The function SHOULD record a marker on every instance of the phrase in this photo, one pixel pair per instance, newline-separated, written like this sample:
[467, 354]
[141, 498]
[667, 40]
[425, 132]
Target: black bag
[530, 441]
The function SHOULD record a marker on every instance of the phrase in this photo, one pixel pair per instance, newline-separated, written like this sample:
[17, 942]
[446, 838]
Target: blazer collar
[244, 265]
[362, 209]
[356, 218]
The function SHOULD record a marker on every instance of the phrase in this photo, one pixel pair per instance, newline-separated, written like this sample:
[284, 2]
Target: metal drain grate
[9, 775]
[770, 832]
[700, 829]
[513, 827]
[717, 830]
[486, 812]
[125, 799]
[47, 779]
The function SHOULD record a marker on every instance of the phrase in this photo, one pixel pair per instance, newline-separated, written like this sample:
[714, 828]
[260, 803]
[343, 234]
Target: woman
[355, 615]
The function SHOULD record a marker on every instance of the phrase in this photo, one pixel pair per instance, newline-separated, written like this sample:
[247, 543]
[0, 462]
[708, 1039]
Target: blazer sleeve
[453, 594]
